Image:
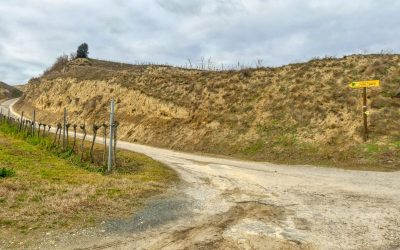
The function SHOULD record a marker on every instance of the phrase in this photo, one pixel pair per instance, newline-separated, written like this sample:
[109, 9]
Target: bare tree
[95, 128]
[259, 63]
[209, 63]
[83, 127]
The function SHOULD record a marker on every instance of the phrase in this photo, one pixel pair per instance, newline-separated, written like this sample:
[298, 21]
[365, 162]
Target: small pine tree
[83, 51]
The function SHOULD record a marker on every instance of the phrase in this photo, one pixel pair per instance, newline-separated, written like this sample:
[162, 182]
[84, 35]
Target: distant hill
[298, 113]
[7, 91]
[20, 87]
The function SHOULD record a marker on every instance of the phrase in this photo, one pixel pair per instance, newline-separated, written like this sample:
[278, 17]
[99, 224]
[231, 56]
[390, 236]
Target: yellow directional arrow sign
[364, 84]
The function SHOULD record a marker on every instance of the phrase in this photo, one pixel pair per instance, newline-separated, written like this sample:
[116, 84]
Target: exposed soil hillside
[7, 91]
[299, 113]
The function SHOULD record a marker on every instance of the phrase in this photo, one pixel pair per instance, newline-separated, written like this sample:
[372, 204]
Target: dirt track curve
[232, 204]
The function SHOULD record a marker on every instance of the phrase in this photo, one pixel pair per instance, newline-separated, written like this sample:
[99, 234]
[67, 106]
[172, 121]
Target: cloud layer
[34, 33]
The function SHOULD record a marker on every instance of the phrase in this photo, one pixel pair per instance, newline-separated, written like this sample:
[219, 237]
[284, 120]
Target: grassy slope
[300, 113]
[52, 192]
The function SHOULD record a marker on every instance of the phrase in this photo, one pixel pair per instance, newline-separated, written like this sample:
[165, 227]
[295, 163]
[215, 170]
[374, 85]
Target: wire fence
[64, 136]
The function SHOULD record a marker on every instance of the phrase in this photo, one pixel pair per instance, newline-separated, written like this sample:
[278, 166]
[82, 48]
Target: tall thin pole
[110, 148]
[65, 122]
[365, 114]
[22, 118]
[34, 122]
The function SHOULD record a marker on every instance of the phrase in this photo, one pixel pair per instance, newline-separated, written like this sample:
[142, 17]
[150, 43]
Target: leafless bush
[58, 65]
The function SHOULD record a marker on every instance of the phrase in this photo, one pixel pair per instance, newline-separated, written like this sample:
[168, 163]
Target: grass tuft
[6, 172]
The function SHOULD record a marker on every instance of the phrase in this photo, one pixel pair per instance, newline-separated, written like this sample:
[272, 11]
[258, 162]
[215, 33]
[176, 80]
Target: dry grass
[52, 191]
[222, 112]
[7, 91]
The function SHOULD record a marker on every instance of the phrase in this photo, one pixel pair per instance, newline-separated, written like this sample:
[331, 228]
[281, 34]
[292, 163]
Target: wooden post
[44, 130]
[34, 122]
[67, 134]
[110, 148]
[95, 128]
[59, 135]
[104, 142]
[73, 146]
[20, 124]
[116, 123]
[365, 116]
[83, 127]
[64, 128]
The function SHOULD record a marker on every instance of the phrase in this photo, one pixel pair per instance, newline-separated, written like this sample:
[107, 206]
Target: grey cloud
[35, 32]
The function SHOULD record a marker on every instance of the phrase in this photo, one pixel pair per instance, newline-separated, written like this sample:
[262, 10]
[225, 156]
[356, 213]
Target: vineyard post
[34, 122]
[20, 124]
[64, 127]
[110, 148]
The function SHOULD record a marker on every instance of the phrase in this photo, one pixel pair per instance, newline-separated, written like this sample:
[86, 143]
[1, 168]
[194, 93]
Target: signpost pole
[365, 113]
[364, 85]
[64, 128]
[110, 148]
[34, 122]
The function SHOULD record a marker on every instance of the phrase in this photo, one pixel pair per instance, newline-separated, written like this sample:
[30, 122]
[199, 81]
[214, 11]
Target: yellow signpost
[364, 85]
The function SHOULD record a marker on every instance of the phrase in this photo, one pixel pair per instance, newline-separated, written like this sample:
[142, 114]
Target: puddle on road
[157, 212]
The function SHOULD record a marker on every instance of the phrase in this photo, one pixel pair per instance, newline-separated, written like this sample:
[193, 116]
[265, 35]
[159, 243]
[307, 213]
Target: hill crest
[262, 113]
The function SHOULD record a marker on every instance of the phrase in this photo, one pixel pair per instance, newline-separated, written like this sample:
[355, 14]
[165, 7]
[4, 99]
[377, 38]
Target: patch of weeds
[254, 148]
[287, 140]
[6, 172]
[372, 148]
[111, 192]
[396, 144]
[36, 198]
[6, 222]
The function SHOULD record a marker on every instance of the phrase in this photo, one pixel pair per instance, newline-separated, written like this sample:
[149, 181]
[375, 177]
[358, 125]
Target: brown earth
[299, 113]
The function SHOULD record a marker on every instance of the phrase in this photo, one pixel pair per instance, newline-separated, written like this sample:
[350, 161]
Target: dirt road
[231, 204]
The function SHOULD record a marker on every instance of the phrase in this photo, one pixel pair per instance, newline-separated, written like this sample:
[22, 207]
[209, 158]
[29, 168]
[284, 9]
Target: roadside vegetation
[43, 189]
[303, 113]
[7, 91]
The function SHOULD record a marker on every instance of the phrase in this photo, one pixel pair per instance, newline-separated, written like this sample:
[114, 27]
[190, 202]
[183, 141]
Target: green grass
[279, 143]
[6, 172]
[53, 191]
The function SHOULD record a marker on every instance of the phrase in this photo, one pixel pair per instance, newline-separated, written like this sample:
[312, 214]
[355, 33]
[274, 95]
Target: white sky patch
[35, 32]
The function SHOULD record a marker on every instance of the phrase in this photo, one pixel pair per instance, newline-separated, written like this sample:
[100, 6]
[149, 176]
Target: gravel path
[232, 204]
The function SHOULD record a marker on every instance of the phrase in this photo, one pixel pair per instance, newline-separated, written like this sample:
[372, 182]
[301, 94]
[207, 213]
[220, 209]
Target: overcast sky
[34, 32]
